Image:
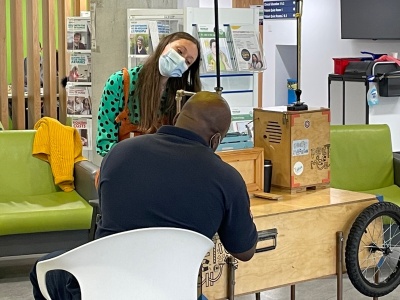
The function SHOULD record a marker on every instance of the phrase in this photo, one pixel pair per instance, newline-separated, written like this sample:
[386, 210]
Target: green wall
[41, 38]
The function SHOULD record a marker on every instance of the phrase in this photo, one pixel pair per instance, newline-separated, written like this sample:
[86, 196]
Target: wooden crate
[249, 162]
[297, 143]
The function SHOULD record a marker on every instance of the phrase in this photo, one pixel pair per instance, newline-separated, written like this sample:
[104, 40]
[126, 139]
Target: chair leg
[199, 283]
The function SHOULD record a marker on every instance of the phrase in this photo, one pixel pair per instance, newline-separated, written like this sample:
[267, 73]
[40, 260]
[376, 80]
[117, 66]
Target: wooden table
[307, 224]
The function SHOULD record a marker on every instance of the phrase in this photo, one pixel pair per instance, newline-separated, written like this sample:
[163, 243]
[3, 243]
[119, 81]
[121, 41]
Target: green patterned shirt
[111, 104]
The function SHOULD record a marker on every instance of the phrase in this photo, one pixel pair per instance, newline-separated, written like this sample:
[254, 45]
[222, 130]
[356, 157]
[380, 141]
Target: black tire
[373, 248]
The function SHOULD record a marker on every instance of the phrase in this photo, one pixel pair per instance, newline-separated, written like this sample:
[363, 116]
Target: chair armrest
[396, 167]
[84, 176]
[95, 218]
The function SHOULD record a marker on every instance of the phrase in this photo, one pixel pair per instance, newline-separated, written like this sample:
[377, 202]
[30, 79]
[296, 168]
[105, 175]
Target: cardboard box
[297, 143]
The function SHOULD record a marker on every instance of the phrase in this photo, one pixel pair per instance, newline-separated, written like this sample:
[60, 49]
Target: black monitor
[370, 19]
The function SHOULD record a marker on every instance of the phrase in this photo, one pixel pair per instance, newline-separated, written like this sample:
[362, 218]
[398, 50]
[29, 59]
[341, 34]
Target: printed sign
[285, 9]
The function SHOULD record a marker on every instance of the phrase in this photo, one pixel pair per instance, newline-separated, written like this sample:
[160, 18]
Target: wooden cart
[310, 228]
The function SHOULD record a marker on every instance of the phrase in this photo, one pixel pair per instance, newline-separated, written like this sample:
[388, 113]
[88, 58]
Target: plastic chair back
[150, 263]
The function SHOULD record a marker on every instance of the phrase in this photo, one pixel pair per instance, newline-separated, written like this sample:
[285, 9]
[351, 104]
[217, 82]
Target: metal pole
[298, 105]
[339, 265]
[299, 12]
[178, 98]
[218, 88]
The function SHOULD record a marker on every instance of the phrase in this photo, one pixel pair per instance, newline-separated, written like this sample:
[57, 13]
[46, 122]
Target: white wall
[277, 33]
[320, 43]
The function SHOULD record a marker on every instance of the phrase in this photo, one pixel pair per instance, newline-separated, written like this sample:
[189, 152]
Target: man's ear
[215, 141]
[175, 118]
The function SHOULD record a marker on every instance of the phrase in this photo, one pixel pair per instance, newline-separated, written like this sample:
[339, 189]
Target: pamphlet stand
[79, 85]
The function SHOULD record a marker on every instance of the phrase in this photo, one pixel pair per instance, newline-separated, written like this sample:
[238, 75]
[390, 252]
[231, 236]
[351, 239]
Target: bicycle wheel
[372, 252]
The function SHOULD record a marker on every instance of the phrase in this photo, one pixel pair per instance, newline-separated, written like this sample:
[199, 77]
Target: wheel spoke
[395, 249]
[392, 237]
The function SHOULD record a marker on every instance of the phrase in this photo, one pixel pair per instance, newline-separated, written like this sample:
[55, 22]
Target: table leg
[376, 278]
[292, 292]
[339, 264]
[231, 277]
[258, 296]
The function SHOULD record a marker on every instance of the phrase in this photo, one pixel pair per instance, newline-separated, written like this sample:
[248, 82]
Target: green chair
[36, 216]
[362, 160]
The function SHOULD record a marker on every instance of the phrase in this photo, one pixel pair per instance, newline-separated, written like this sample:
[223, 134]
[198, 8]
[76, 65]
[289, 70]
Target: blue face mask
[171, 64]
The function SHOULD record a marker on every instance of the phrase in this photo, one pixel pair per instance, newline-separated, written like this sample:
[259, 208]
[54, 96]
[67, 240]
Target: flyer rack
[79, 85]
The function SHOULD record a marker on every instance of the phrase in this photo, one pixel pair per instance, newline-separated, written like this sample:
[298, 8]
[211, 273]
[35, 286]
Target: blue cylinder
[291, 86]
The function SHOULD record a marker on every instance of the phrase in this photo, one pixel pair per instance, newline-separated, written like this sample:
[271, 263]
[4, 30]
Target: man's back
[173, 179]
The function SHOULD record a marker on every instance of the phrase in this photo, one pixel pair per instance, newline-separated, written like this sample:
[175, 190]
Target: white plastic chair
[150, 263]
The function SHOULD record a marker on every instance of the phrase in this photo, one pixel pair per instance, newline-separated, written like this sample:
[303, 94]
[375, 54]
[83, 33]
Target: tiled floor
[15, 285]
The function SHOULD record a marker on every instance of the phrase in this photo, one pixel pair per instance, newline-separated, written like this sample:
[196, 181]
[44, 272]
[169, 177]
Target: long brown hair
[148, 86]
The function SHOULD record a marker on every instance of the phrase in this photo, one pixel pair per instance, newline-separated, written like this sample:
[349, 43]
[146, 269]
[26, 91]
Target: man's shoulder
[137, 145]
[226, 170]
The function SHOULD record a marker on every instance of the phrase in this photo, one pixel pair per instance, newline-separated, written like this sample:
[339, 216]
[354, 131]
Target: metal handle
[269, 234]
[390, 74]
[380, 63]
[178, 98]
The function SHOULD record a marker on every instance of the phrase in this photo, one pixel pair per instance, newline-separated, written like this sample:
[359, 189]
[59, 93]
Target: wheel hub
[385, 250]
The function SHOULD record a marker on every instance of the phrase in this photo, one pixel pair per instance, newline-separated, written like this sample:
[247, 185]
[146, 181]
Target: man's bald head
[207, 114]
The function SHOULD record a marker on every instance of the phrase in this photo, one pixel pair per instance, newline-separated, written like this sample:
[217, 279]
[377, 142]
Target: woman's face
[254, 57]
[185, 48]
[214, 47]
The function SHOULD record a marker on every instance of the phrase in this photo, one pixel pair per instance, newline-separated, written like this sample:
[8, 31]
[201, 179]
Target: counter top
[304, 201]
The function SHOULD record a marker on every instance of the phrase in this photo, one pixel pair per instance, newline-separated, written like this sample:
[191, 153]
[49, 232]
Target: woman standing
[174, 65]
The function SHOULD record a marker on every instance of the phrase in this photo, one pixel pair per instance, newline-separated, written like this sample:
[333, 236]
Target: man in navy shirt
[173, 178]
